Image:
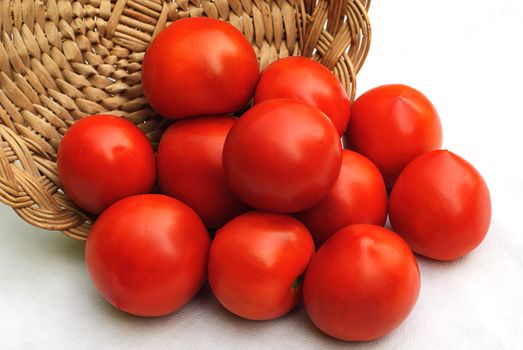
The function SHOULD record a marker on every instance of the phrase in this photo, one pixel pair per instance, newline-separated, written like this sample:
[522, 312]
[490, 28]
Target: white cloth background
[467, 57]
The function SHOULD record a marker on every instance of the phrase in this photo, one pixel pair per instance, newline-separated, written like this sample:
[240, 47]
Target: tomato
[391, 125]
[199, 66]
[362, 283]
[103, 159]
[359, 196]
[190, 168]
[441, 206]
[147, 254]
[309, 81]
[282, 155]
[255, 264]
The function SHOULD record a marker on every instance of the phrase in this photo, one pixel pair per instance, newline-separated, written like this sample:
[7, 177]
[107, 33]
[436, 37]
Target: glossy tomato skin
[391, 125]
[147, 254]
[102, 159]
[282, 156]
[255, 262]
[199, 66]
[362, 283]
[359, 196]
[190, 168]
[441, 206]
[306, 80]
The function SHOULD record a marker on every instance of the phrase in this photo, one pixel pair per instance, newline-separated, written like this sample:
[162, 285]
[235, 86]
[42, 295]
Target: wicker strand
[61, 60]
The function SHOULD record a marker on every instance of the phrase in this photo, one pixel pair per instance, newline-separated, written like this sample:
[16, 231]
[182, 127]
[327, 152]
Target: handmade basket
[61, 60]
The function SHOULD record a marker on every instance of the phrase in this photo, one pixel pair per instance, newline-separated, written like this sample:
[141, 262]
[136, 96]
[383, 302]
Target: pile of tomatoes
[293, 214]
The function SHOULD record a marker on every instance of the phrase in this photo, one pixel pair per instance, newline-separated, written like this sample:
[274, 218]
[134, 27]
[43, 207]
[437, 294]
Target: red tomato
[391, 125]
[359, 196]
[255, 264]
[440, 204]
[199, 66]
[362, 283]
[282, 155]
[190, 168]
[103, 159]
[309, 81]
[147, 254]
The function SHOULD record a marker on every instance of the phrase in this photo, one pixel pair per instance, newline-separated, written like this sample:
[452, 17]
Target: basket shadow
[27, 240]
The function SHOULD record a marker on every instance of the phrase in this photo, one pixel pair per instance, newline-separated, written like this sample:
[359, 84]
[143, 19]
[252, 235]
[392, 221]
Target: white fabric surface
[467, 57]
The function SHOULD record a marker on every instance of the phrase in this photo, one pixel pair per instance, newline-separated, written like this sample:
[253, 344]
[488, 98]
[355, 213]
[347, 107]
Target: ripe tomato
[282, 155]
[199, 66]
[255, 264]
[147, 254]
[440, 205]
[359, 196]
[103, 159]
[362, 283]
[190, 168]
[309, 81]
[391, 125]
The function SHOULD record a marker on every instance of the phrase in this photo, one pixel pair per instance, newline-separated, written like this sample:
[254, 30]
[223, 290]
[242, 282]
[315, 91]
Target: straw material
[61, 60]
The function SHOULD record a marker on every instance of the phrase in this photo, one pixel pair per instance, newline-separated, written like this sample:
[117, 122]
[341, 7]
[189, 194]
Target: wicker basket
[63, 59]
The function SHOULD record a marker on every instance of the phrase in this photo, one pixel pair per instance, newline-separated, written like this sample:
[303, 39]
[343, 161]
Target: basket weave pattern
[61, 60]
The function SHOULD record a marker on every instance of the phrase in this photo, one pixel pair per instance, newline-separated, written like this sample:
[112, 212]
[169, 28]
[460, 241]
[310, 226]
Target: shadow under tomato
[295, 318]
[437, 264]
[204, 306]
[334, 343]
[204, 296]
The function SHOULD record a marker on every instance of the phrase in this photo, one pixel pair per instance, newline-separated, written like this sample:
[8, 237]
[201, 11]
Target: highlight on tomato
[147, 254]
[199, 66]
[441, 206]
[190, 168]
[359, 196]
[282, 155]
[256, 263]
[304, 79]
[102, 159]
[391, 125]
[362, 283]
